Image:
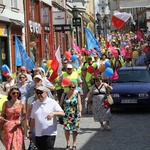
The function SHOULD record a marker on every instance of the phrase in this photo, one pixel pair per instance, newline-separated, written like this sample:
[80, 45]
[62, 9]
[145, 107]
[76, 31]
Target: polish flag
[120, 18]
[56, 65]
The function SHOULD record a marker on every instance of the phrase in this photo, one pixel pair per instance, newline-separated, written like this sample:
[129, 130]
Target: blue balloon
[74, 57]
[107, 64]
[108, 72]
[44, 66]
[124, 43]
[5, 68]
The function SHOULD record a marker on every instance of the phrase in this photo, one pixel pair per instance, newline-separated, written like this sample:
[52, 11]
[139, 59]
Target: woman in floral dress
[13, 114]
[71, 101]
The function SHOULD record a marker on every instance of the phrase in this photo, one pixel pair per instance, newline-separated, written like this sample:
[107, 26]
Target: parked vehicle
[132, 87]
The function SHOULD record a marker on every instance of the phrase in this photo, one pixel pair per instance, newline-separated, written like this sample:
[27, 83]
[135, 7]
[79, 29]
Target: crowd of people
[35, 102]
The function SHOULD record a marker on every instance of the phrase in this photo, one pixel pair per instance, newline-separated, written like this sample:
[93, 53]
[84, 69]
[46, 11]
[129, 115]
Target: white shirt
[40, 111]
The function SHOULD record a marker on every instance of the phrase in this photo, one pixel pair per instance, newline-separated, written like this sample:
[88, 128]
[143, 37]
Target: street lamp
[76, 22]
[98, 16]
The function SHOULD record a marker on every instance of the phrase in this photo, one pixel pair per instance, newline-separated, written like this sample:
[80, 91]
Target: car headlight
[115, 95]
[143, 95]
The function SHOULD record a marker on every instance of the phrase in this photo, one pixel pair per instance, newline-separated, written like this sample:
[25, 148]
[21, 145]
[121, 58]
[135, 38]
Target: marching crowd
[35, 103]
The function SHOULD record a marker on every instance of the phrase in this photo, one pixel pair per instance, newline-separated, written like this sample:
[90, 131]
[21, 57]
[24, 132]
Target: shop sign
[46, 28]
[62, 28]
[59, 17]
[3, 30]
[35, 27]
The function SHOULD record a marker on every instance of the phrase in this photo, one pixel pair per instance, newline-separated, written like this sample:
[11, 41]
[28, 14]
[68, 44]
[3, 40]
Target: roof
[17, 22]
[4, 19]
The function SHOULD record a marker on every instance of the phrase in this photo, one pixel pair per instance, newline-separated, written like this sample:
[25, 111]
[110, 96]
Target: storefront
[39, 31]
[4, 42]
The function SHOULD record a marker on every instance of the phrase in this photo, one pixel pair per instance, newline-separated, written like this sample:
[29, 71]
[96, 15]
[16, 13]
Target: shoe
[101, 128]
[73, 147]
[108, 128]
[67, 147]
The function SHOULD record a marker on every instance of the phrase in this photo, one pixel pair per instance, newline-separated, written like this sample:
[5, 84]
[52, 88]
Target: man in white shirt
[43, 117]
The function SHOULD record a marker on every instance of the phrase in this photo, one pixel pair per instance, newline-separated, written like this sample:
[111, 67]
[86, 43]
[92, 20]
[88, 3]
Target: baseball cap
[69, 66]
[42, 88]
[38, 76]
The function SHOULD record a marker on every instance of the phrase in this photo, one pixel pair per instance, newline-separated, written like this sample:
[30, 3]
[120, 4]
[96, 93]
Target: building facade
[39, 29]
[11, 24]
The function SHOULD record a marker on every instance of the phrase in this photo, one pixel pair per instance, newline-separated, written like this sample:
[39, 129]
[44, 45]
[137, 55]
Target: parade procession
[74, 74]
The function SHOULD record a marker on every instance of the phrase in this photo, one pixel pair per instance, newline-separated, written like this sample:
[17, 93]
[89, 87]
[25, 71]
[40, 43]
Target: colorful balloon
[90, 69]
[67, 55]
[44, 66]
[4, 73]
[108, 72]
[65, 81]
[74, 80]
[48, 63]
[115, 52]
[107, 64]
[134, 54]
[5, 68]
[74, 57]
[102, 68]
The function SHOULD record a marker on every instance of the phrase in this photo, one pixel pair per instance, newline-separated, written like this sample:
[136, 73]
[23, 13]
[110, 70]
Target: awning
[134, 3]
[5, 20]
[17, 22]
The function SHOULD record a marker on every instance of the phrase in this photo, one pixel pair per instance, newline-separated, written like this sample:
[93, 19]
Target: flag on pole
[120, 18]
[91, 42]
[56, 65]
[76, 48]
[22, 58]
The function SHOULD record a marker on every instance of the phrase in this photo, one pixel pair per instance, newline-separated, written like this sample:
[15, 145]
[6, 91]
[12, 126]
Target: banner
[91, 42]
[22, 58]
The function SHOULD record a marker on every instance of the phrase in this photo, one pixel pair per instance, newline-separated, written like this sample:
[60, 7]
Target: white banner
[134, 3]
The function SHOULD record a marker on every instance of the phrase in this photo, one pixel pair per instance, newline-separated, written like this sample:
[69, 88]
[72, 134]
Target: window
[1, 1]
[14, 3]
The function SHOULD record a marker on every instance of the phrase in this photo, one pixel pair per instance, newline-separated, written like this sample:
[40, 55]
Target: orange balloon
[48, 63]
[102, 68]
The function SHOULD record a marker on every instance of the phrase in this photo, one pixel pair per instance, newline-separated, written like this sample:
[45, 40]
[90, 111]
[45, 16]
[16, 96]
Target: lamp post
[103, 18]
[76, 22]
[98, 16]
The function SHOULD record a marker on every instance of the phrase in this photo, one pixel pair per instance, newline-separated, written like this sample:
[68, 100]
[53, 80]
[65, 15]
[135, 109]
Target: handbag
[61, 121]
[109, 97]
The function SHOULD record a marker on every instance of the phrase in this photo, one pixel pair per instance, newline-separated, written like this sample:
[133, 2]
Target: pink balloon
[67, 55]
[65, 81]
[90, 69]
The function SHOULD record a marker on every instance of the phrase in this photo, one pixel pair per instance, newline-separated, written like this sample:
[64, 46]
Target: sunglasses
[39, 92]
[7, 77]
[15, 93]
[22, 77]
[22, 70]
[72, 87]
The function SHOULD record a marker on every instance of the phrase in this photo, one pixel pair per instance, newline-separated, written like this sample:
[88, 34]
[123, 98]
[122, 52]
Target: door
[4, 57]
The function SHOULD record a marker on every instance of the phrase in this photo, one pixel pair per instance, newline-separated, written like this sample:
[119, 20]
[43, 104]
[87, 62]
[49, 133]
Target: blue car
[132, 87]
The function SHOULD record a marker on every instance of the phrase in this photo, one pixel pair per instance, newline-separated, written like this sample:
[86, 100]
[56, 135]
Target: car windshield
[133, 76]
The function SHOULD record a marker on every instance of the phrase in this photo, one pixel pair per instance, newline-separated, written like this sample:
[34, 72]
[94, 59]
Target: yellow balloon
[48, 63]
[134, 54]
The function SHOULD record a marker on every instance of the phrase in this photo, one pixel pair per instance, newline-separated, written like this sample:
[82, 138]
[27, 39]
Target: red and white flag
[120, 18]
[56, 65]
